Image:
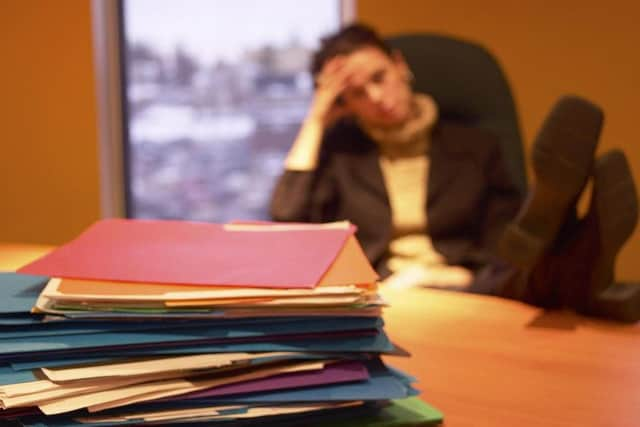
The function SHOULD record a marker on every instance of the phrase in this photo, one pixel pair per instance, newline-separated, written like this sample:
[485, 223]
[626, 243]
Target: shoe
[613, 211]
[562, 160]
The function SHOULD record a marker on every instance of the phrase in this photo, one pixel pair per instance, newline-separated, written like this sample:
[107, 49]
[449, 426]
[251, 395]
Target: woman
[430, 199]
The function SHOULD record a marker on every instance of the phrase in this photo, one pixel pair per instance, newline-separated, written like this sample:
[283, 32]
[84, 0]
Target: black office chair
[469, 86]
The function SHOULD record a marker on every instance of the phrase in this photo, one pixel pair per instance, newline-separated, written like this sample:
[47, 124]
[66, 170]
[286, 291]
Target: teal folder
[19, 292]
[408, 412]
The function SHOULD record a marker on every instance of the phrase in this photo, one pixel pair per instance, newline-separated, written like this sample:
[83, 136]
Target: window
[213, 95]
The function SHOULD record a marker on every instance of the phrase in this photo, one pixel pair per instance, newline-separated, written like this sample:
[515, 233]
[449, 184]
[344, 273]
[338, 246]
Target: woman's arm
[325, 109]
[305, 188]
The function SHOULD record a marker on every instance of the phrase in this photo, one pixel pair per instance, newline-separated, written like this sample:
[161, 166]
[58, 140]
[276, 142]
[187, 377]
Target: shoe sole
[616, 202]
[562, 160]
[620, 301]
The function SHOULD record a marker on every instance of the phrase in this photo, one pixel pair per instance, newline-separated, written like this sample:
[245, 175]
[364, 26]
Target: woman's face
[378, 92]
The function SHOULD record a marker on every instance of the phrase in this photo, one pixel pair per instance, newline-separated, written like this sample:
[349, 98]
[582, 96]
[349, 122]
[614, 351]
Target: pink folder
[193, 253]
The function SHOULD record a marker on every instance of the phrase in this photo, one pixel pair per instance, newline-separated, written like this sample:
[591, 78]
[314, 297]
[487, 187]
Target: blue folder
[171, 336]
[19, 292]
[409, 412]
[375, 343]
[259, 326]
[20, 319]
[10, 376]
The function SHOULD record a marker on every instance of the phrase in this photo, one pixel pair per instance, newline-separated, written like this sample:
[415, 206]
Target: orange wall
[49, 166]
[585, 47]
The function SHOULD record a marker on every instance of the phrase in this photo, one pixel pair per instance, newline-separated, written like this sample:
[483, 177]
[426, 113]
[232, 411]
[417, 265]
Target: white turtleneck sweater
[405, 168]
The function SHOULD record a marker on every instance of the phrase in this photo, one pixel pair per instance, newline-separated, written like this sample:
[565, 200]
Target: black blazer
[470, 195]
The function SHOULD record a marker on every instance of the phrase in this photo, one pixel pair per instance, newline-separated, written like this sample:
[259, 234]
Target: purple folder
[338, 372]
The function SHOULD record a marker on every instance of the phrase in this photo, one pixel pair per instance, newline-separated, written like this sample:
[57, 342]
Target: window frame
[108, 40]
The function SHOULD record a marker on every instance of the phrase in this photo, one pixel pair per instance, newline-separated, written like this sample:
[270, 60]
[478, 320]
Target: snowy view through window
[216, 91]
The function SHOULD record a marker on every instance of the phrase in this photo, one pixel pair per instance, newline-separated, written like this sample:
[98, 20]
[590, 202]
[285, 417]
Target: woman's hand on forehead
[343, 71]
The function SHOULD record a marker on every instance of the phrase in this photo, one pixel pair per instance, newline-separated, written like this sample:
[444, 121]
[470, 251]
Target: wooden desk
[492, 362]
[15, 255]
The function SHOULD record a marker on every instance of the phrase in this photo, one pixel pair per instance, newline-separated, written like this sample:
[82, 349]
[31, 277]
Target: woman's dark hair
[346, 41]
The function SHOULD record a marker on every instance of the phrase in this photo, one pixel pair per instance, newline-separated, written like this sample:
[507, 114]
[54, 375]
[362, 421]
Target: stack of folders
[165, 322]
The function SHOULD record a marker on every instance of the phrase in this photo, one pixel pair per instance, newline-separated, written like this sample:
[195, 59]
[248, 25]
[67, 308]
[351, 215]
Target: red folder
[193, 253]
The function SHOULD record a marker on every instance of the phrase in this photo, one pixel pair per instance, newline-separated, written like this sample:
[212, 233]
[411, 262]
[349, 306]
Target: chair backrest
[469, 86]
